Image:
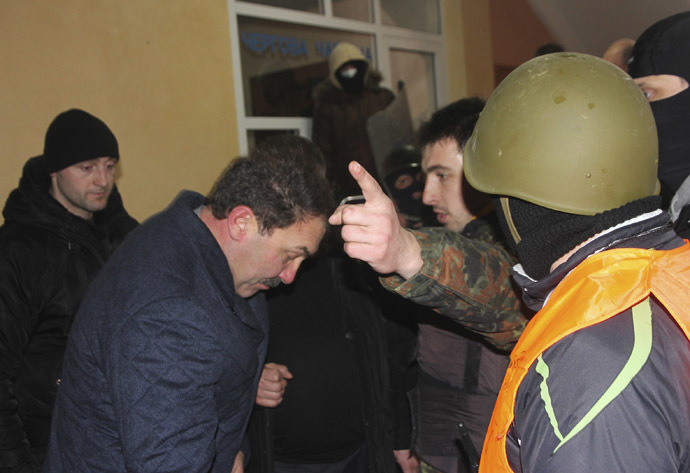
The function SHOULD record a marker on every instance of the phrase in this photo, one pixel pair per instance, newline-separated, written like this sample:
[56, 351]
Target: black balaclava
[545, 235]
[406, 186]
[353, 82]
[664, 48]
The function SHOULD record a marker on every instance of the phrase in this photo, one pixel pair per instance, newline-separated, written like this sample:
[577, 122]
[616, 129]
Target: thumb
[284, 371]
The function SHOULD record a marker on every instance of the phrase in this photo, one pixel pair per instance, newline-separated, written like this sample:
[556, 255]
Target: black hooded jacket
[48, 256]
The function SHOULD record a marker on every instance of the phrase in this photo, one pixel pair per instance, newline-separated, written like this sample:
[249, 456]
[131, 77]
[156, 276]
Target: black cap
[75, 136]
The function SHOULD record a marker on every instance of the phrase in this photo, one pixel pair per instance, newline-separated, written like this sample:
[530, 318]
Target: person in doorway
[342, 105]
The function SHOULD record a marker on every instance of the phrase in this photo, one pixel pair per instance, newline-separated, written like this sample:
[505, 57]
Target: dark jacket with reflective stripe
[644, 428]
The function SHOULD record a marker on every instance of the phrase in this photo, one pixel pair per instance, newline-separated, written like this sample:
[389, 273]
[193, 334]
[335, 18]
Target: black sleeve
[17, 321]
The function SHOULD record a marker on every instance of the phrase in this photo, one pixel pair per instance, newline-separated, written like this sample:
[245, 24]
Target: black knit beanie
[545, 235]
[75, 136]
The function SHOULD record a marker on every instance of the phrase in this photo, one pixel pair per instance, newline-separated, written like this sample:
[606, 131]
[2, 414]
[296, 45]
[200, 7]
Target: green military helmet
[566, 131]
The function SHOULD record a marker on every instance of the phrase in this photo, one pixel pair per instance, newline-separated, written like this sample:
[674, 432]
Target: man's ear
[241, 222]
[53, 183]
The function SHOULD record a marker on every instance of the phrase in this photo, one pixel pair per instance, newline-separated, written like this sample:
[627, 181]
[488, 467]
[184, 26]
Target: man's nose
[290, 272]
[429, 194]
[101, 176]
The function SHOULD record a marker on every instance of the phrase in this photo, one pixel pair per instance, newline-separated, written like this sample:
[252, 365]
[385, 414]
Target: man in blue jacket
[161, 369]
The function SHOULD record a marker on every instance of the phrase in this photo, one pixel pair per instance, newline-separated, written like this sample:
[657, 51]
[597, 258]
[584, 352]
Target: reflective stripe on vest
[602, 286]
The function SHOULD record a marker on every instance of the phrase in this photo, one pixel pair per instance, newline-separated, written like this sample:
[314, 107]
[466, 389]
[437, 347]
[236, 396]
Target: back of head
[566, 131]
[548, 48]
[454, 121]
[75, 136]
[282, 180]
[619, 52]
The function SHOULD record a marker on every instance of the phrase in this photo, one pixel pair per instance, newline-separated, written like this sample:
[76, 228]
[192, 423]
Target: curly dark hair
[282, 180]
[456, 121]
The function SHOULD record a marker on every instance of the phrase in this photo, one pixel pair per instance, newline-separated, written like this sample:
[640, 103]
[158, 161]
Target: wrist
[410, 261]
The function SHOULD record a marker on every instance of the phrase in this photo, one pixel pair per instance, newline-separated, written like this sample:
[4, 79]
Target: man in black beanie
[61, 223]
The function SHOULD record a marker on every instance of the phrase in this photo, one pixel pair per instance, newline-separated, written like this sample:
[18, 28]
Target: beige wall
[484, 37]
[517, 32]
[468, 47]
[158, 73]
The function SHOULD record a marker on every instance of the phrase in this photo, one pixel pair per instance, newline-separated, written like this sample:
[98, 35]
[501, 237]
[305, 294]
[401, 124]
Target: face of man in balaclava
[352, 76]
[662, 86]
[660, 65]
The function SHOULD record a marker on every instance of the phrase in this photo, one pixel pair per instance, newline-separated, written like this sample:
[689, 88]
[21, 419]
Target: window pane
[354, 9]
[313, 6]
[421, 15]
[416, 70]
[255, 137]
[283, 62]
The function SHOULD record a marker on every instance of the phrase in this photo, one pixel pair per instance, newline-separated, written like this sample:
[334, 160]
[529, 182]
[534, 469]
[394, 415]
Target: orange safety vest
[602, 286]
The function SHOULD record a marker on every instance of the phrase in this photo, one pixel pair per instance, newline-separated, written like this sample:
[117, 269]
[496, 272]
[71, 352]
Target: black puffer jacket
[47, 258]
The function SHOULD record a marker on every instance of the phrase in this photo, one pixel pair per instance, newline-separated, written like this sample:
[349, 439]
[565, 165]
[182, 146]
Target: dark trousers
[357, 462]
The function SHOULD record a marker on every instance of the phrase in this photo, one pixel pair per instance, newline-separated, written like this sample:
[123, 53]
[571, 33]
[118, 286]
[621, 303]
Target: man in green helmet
[599, 378]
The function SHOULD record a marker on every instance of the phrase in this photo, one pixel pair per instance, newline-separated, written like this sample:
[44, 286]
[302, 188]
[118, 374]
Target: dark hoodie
[48, 256]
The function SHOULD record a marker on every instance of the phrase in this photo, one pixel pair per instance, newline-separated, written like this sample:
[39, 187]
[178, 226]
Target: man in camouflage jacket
[461, 272]
[465, 277]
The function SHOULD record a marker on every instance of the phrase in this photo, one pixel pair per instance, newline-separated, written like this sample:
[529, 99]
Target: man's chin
[96, 205]
[247, 292]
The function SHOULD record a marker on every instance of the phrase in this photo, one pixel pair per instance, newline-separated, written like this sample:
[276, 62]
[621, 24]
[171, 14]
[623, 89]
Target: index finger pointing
[371, 190]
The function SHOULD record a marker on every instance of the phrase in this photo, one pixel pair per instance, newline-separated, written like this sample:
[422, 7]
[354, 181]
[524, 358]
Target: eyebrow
[437, 167]
[304, 250]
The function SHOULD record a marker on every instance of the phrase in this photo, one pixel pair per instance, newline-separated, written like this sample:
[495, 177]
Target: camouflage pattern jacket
[466, 276]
